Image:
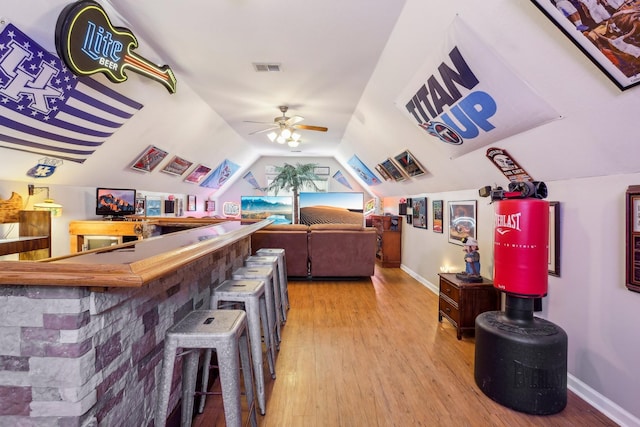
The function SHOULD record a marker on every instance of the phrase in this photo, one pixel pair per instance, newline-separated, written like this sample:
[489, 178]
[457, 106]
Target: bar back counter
[81, 336]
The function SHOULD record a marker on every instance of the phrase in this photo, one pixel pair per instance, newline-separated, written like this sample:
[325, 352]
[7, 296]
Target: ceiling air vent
[262, 66]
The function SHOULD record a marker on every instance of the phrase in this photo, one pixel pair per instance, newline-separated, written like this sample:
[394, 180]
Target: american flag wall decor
[46, 109]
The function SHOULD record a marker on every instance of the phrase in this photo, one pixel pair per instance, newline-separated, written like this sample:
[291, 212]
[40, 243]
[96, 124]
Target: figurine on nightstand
[472, 261]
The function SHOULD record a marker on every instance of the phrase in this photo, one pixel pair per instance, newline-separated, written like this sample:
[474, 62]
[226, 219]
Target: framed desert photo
[602, 31]
[393, 170]
[438, 216]
[149, 159]
[177, 166]
[462, 221]
[197, 175]
[409, 164]
[419, 209]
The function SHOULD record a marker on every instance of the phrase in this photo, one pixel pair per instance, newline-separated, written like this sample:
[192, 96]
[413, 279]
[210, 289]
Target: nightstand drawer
[449, 290]
[449, 310]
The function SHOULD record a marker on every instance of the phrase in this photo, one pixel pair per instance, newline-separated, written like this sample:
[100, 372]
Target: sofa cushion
[287, 227]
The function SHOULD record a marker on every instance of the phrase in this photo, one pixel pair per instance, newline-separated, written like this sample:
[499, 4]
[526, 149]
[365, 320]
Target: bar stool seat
[273, 262]
[282, 269]
[264, 273]
[249, 293]
[226, 332]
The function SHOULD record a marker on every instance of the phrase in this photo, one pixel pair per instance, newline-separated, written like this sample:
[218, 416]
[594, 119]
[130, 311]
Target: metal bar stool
[226, 332]
[266, 274]
[273, 262]
[282, 269]
[250, 294]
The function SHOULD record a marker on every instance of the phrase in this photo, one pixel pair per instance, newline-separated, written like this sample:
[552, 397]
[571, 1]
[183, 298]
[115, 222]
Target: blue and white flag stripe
[46, 109]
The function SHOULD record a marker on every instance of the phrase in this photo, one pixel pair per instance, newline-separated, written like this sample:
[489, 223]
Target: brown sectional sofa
[322, 250]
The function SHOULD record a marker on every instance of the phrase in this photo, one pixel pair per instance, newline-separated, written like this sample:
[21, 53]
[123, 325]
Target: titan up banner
[465, 96]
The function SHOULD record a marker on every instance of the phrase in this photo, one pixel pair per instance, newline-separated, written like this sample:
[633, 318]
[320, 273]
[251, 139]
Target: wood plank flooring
[372, 353]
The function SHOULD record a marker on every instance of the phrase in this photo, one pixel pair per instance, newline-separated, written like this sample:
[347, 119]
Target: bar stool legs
[226, 332]
[282, 270]
[251, 294]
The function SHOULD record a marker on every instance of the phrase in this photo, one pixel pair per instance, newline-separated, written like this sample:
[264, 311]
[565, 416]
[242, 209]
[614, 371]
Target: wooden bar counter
[82, 335]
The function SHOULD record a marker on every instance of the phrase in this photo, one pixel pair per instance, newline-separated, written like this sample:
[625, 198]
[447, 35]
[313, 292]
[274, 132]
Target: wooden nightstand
[461, 302]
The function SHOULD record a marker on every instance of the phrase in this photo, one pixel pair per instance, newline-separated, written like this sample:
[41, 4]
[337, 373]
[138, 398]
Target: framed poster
[140, 202]
[462, 221]
[554, 239]
[230, 209]
[633, 238]
[383, 172]
[198, 174]
[153, 206]
[604, 35]
[209, 205]
[177, 166]
[438, 216]
[191, 202]
[149, 159]
[419, 209]
[393, 170]
[409, 164]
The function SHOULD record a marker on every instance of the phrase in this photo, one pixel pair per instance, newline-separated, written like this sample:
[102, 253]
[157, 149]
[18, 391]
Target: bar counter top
[132, 264]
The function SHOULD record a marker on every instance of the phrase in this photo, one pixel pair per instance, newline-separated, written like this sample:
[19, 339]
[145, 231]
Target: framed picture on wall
[438, 216]
[191, 202]
[177, 166]
[140, 202]
[209, 205]
[419, 209]
[149, 159]
[197, 175]
[462, 220]
[409, 164]
[602, 34]
[154, 206]
[393, 170]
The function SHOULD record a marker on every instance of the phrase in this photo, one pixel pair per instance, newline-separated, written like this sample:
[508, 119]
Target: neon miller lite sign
[89, 44]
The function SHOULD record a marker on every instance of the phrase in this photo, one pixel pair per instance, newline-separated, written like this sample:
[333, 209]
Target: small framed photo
[154, 206]
[197, 175]
[438, 216]
[393, 170]
[462, 221]
[149, 159]
[140, 203]
[209, 205]
[191, 202]
[231, 209]
[419, 209]
[322, 170]
[177, 166]
[409, 164]
[599, 30]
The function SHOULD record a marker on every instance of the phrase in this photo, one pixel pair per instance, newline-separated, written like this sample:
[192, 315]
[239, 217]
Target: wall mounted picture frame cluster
[462, 220]
[401, 167]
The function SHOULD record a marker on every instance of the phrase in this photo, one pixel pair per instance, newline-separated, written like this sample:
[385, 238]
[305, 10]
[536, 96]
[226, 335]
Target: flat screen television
[115, 202]
[276, 208]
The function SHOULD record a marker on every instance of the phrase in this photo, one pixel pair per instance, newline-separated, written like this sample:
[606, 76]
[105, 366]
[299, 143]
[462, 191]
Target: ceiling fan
[284, 128]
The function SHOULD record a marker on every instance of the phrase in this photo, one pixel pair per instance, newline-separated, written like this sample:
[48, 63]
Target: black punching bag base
[521, 364]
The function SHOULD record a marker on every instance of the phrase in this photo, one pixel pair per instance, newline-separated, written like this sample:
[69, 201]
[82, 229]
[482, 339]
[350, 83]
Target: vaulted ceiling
[342, 66]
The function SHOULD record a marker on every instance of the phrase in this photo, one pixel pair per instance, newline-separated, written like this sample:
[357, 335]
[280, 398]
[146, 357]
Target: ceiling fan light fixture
[281, 139]
[286, 133]
[272, 136]
[295, 136]
[293, 143]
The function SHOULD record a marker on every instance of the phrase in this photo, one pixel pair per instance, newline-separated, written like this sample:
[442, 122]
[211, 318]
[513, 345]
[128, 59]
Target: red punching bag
[521, 246]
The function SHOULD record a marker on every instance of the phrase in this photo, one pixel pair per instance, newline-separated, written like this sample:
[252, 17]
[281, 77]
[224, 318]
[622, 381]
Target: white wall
[589, 301]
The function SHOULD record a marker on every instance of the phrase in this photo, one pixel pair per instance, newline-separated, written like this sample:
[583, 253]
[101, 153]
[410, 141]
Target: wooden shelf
[34, 241]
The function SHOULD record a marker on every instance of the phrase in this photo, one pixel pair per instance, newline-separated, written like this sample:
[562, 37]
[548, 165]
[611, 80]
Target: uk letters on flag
[46, 109]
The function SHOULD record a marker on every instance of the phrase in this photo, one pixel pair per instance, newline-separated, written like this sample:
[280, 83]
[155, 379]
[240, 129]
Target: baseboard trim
[612, 411]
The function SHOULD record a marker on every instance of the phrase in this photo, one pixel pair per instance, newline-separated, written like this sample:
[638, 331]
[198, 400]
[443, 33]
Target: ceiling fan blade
[253, 121]
[264, 130]
[308, 127]
[293, 120]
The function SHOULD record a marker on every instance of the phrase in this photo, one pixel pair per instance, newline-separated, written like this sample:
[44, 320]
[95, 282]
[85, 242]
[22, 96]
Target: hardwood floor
[372, 353]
